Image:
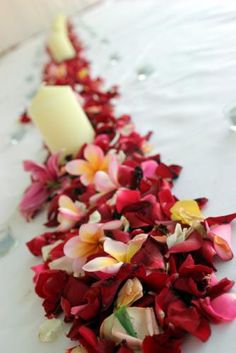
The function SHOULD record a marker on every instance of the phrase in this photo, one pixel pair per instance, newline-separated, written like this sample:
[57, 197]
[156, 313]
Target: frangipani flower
[95, 161]
[186, 211]
[131, 324]
[108, 181]
[131, 291]
[119, 253]
[90, 239]
[70, 212]
[221, 238]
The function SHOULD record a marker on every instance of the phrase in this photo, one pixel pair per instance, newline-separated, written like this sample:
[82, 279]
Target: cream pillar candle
[60, 46]
[60, 23]
[57, 114]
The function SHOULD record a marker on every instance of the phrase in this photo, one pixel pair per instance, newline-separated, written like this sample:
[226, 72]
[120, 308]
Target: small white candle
[60, 46]
[56, 112]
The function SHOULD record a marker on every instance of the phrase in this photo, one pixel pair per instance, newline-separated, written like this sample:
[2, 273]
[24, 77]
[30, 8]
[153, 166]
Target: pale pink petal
[77, 167]
[224, 231]
[113, 169]
[94, 155]
[66, 223]
[116, 249]
[70, 247]
[77, 266]
[225, 306]
[222, 248]
[112, 225]
[103, 264]
[62, 263]
[221, 237]
[75, 310]
[149, 168]
[68, 208]
[103, 182]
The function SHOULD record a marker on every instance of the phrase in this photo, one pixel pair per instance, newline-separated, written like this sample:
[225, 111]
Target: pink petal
[103, 182]
[221, 237]
[225, 306]
[149, 168]
[224, 231]
[112, 225]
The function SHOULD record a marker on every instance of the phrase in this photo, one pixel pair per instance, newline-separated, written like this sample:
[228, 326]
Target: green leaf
[122, 315]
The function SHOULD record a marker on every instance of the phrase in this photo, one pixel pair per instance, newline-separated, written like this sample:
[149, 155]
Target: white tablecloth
[191, 48]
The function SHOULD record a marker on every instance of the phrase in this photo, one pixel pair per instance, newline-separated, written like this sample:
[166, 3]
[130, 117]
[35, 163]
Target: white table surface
[191, 45]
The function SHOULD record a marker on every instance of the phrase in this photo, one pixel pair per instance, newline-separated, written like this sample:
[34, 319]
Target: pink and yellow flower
[119, 252]
[70, 212]
[90, 239]
[95, 161]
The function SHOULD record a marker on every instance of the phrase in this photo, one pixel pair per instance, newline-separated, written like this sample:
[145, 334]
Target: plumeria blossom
[221, 238]
[90, 240]
[69, 212]
[186, 211]
[44, 179]
[95, 161]
[119, 253]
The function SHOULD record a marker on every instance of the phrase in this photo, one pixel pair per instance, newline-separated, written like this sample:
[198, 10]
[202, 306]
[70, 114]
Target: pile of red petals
[129, 266]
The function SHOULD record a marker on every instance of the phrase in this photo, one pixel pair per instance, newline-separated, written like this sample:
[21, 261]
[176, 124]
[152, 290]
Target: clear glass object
[231, 114]
[7, 241]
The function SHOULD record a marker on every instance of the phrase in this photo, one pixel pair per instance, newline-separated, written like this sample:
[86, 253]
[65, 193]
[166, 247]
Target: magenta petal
[52, 165]
[38, 171]
[225, 306]
[33, 199]
[149, 168]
